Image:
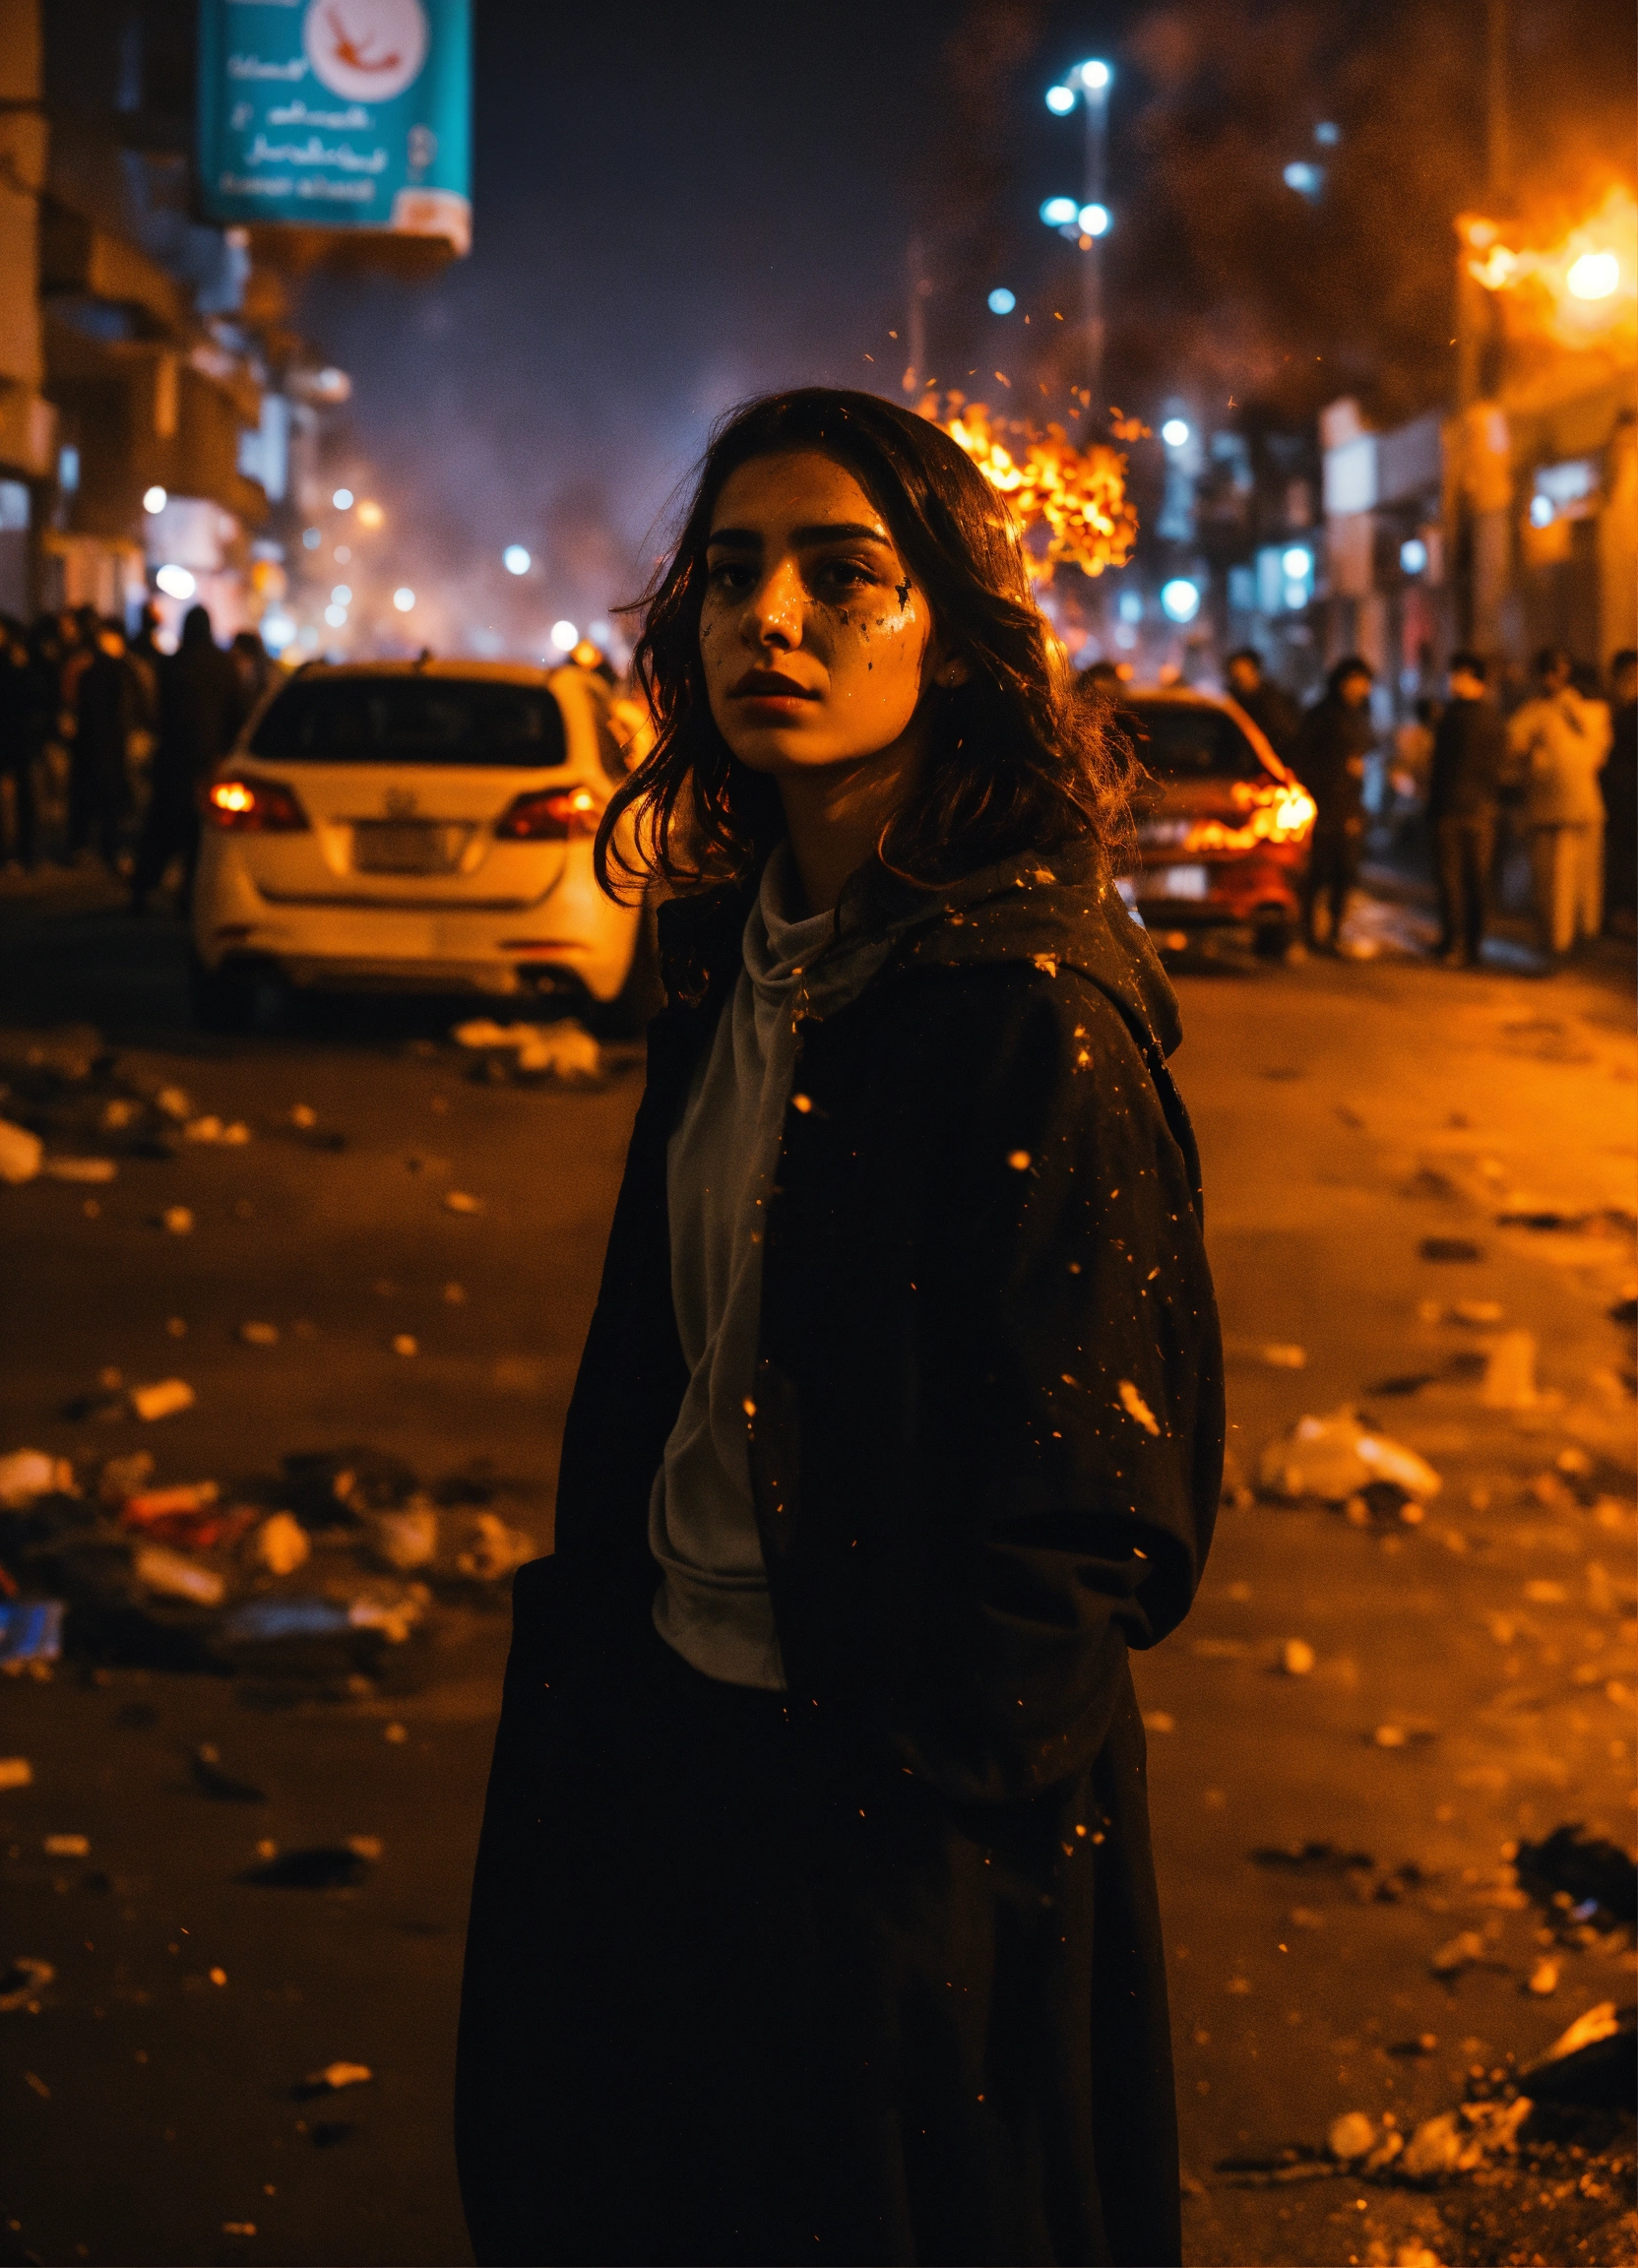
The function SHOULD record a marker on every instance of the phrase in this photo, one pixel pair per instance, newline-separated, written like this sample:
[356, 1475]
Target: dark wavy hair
[1016, 760]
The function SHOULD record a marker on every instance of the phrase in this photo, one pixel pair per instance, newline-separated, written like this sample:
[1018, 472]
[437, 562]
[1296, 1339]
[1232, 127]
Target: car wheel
[223, 999]
[639, 997]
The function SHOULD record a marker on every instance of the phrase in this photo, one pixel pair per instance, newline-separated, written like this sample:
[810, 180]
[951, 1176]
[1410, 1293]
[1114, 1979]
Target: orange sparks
[1581, 291]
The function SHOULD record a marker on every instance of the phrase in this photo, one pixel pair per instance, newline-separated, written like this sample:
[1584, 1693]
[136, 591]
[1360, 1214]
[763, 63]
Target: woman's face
[817, 643]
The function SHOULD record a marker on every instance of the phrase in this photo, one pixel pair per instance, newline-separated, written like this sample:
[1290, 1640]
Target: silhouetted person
[111, 704]
[1620, 781]
[255, 665]
[1559, 740]
[1469, 752]
[202, 706]
[1329, 758]
[17, 746]
[1268, 705]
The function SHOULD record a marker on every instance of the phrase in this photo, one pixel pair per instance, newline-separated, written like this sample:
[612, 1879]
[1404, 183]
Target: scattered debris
[1450, 1249]
[168, 1575]
[1312, 1859]
[31, 1635]
[1276, 1353]
[16, 1772]
[176, 1220]
[1336, 1457]
[334, 2076]
[281, 1545]
[1510, 1372]
[1592, 1876]
[166, 1397]
[405, 1342]
[1297, 1658]
[26, 1474]
[325, 1866]
[563, 1050]
[1456, 2141]
[85, 1170]
[220, 1785]
[1351, 2136]
[406, 1540]
[66, 1846]
[258, 1334]
[1411, 1732]
[461, 1201]
[21, 1983]
[20, 1154]
[1543, 1979]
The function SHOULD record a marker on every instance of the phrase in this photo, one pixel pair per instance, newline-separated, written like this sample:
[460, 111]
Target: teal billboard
[345, 114]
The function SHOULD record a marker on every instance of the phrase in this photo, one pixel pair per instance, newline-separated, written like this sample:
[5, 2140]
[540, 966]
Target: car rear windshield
[1176, 741]
[413, 721]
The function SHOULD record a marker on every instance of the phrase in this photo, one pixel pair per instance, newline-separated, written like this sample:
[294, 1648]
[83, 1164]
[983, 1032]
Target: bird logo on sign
[369, 50]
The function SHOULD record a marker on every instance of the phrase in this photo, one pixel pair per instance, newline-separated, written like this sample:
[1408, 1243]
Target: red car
[1226, 844]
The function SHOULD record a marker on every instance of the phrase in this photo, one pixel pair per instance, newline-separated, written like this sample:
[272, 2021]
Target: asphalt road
[1472, 1678]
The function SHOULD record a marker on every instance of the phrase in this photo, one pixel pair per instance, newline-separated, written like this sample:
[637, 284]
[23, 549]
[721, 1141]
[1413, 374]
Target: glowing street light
[335, 617]
[1176, 434]
[1094, 219]
[1180, 599]
[1094, 76]
[154, 500]
[343, 499]
[370, 514]
[1060, 212]
[341, 595]
[1087, 219]
[1296, 562]
[1594, 276]
[1001, 302]
[565, 637]
[404, 598]
[514, 559]
[1060, 100]
[175, 581]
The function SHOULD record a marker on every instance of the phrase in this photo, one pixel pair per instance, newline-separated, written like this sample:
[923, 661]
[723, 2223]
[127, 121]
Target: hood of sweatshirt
[1047, 911]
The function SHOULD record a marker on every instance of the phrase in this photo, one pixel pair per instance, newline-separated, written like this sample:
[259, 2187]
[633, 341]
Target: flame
[1579, 289]
[1077, 495]
[1278, 812]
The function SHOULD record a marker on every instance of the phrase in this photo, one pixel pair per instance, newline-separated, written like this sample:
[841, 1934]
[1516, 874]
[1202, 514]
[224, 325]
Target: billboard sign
[347, 114]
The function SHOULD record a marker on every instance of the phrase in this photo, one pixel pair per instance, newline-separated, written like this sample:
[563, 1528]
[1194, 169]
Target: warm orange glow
[1279, 811]
[370, 514]
[1077, 495]
[232, 795]
[1581, 289]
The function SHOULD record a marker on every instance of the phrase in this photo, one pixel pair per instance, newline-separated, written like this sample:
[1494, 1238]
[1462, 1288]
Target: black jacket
[1273, 709]
[201, 705]
[986, 1447]
[1470, 751]
[1331, 738]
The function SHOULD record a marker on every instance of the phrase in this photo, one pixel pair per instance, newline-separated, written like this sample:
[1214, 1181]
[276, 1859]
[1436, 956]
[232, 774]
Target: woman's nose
[774, 616]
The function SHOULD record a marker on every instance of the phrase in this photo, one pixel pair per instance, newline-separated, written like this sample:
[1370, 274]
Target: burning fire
[1280, 812]
[1582, 288]
[1077, 495]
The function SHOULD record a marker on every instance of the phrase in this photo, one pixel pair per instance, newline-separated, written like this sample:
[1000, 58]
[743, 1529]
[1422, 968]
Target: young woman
[814, 1915]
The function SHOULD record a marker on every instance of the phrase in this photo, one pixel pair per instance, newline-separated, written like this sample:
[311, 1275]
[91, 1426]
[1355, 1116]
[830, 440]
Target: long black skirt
[722, 2007]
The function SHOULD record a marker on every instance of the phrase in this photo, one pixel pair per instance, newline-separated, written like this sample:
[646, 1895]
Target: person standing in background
[201, 705]
[1469, 750]
[17, 752]
[1559, 742]
[1268, 705]
[1329, 758]
[110, 706]
[1620, 781]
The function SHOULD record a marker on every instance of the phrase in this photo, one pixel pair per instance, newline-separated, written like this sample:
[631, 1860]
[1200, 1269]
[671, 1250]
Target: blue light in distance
[1002, 301]
[1176, 434]
[1413, 555]
[514, 559]
[1182, 599]
[1307, 180]
[1093, 75]
[1094, 219]
[1060, 100]
[1328, 134]
[1059, 212]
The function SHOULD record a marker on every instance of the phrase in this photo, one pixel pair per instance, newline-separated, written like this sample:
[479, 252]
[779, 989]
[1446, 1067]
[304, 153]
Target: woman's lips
[765, 689]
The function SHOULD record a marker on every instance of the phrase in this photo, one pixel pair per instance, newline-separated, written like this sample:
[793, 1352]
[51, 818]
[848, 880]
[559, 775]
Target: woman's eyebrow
[820, 531]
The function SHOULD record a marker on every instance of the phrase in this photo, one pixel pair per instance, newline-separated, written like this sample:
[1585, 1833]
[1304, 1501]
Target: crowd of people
[105, 738]
[1557, 776]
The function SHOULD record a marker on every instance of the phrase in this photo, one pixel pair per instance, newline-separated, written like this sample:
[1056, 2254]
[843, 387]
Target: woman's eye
[844, 575]
[731, 575]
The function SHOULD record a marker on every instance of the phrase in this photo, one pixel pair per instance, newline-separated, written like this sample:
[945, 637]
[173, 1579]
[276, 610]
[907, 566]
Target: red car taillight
[253, 807]
[549, 817]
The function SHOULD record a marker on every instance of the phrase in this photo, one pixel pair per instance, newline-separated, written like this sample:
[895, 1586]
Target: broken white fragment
[30, 1472]
[281, 1545]
[1510, 1372]
[1297, 1658]
[169, 1575]
[1333, 1458]
[1352, 2135]
[338, 2075]
[1543, 1979]
[461, 1201]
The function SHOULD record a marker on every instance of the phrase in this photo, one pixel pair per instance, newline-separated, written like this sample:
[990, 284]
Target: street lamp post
[1088, 83]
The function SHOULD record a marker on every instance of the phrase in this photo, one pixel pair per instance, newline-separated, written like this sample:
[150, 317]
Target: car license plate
[397, 847]
[1173, 882]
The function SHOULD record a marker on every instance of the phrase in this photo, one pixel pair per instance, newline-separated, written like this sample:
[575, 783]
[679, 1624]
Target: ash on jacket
[871, 1970]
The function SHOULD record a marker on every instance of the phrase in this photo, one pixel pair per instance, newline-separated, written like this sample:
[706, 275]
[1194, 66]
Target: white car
[421, 827]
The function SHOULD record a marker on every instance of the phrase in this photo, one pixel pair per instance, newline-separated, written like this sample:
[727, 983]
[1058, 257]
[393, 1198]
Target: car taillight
[551, 817]
[253, 807]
